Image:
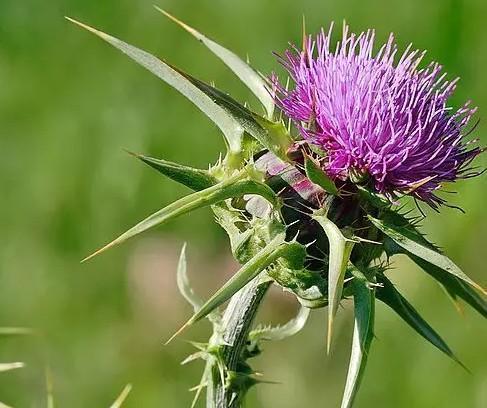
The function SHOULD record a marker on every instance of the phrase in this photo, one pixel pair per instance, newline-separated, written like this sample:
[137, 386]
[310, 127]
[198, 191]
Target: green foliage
[234, 186]
[388, 294]
[195, 179]
[231, 117]
[277, 333]
[316, 174]
[228, 124]
[456, 287]
[310, 288]
[272, 252]
[413, 243]
[248, 75]
[363, 333]
[340, 251]
[183, 282]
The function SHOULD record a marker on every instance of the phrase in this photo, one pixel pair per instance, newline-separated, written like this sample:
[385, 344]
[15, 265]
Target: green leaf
[196, 179]
[199, 355]
[122, 397]
[10, 366]
[187, 291]
[377, 200]
[228, 124]
[183, 282]
[453, 285]
[278, 333]
[273, 135]
[392, 298]
[415, 244]
[232, 187]
[363, 333]
[231, 117]
[340, 251]
[249, 76]
[309, 287]
[205, 378]
[274, 250]
[316, 174]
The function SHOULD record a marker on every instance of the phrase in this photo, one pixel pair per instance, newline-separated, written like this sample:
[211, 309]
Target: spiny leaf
[316, 174]
[203, 383]
[122, 397]
[232, 187]
[274, 250]
[196, 179]
[278, 333]
[392, 298]
[273, 135]
[375, 199]
[309, 287]
[454, 286]
[228, 124]
[183, 282]
[415, 244]
[195, 356]
[249, 76]
[340, 250]
[363, 333]
[10, 366]
[229, 219]
[231, 117]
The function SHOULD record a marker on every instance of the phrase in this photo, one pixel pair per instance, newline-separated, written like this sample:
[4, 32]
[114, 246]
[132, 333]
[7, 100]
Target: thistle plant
[312, 192]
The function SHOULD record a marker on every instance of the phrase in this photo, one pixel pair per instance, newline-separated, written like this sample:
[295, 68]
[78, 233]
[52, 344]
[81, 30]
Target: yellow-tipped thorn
[183, 327]
[329, 335]
[418, 184]
[177, 21]
[98, 252]
[131, 152]
[87, 27]
[196, 387]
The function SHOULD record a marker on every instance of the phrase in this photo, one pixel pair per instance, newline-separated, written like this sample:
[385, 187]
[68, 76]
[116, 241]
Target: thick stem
[236, 324]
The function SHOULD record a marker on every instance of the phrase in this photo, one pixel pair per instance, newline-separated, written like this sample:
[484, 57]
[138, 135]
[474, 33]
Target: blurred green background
[69, 104]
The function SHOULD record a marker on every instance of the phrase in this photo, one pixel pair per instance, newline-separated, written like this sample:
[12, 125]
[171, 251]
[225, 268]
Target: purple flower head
[377, 114]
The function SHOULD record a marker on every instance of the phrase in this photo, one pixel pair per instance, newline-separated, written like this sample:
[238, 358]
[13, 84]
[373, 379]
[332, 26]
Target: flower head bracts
[377, 117]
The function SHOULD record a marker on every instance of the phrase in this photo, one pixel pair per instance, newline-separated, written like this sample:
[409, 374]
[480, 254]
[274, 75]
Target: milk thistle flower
[376, 114]
[314, 208]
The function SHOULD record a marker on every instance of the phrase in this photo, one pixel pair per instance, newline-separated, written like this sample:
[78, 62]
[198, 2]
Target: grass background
[68, 106]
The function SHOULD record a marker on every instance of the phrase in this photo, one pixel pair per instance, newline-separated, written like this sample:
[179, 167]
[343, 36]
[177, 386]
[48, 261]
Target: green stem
[237, 322]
